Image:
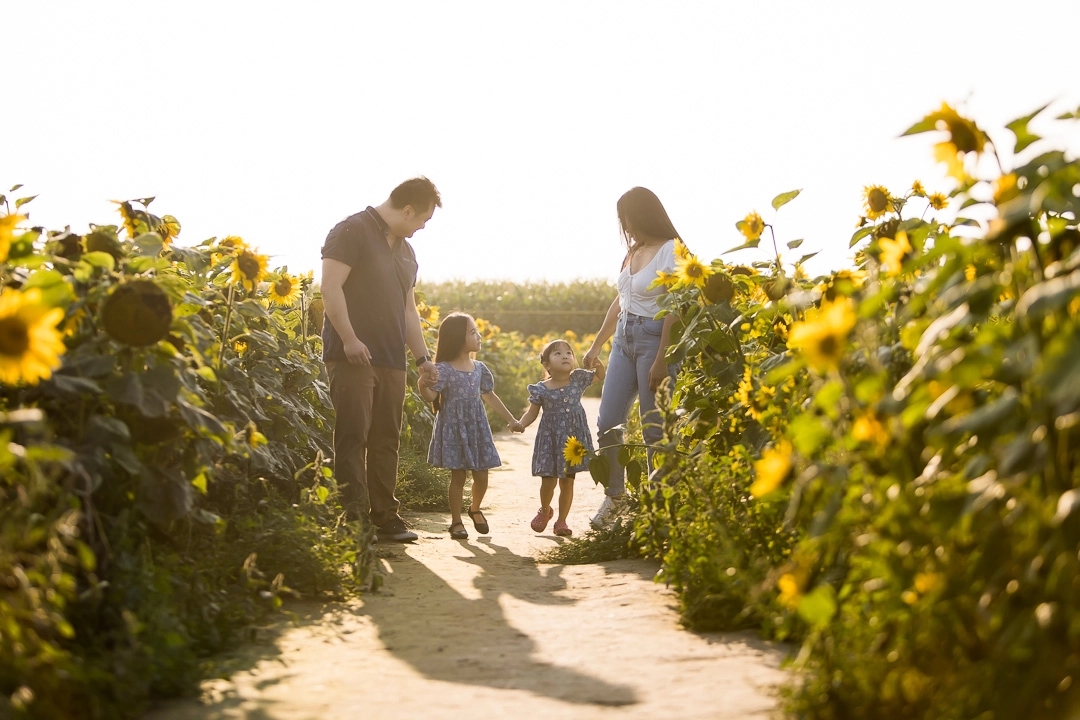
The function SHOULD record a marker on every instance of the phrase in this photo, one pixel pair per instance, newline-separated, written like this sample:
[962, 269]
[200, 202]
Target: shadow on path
[453, 638]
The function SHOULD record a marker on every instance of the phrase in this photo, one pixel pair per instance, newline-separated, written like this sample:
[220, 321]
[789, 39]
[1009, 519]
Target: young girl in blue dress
[461, 439]
[559, 394]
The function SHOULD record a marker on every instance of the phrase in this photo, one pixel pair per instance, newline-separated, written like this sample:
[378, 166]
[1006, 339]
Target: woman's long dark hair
[450, 341]
[642, 214]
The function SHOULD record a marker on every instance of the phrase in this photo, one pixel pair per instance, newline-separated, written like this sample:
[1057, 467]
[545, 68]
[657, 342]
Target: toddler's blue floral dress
[562, 418]
[461, 438]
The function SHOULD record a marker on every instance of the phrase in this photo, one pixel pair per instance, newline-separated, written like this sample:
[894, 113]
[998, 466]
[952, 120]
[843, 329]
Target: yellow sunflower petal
[31, 344]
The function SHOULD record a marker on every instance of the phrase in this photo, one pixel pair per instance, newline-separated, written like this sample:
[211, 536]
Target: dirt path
[478, 628]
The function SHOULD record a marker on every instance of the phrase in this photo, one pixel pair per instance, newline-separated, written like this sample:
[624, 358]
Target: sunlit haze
[273, 121]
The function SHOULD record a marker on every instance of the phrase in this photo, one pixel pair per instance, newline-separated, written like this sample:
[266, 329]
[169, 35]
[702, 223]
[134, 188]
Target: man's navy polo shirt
[375, 291]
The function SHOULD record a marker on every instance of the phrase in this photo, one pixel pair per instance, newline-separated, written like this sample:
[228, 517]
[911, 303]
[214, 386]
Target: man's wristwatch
[421, 360]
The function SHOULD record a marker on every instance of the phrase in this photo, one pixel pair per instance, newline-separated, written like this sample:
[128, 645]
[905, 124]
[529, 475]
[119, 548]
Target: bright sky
[273, 121]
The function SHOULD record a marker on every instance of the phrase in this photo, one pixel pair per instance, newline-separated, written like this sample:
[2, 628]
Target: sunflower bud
[719, 288]
[137, 313]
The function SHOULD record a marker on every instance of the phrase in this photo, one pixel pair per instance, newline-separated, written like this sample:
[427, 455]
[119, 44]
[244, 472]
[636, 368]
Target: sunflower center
[829, 346]
[877, 200]
[282, 287]
[14, 337]
[963, 136]
[694, 271]
[248, 265]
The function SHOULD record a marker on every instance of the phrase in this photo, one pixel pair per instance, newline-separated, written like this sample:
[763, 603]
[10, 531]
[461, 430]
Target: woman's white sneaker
[606, 512]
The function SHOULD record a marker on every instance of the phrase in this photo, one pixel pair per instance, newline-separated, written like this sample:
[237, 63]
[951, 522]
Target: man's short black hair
[419, 192]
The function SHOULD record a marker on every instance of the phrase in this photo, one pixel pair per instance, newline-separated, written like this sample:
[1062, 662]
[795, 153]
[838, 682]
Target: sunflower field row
[164, 441]
[882, 465]
[530, 308]
[165, 453]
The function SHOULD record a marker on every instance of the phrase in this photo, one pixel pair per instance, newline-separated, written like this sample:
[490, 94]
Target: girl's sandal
[481, 525]
[461, 534]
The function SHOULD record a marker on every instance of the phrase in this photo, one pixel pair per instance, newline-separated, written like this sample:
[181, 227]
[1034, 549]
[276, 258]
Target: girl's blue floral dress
[461, 438]
[562, 418]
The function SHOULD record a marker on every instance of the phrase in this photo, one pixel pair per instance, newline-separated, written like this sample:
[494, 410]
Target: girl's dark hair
[451, 337]
[642, 214]
[545, 354]
[451, 340]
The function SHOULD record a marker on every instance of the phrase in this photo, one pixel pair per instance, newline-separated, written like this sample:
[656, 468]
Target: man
[368, 276]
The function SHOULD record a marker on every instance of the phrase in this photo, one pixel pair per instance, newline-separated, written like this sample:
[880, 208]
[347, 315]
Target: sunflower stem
[775, 247]
[303, 316]
[225, 329]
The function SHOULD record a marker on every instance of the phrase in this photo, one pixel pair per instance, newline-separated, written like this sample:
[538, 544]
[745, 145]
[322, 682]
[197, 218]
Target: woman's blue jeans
[633, 351]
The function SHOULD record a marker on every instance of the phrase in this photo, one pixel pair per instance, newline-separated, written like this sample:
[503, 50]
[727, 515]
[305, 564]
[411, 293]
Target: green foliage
[611, 542]
[882, 463]
[422, 487]
[167, 482]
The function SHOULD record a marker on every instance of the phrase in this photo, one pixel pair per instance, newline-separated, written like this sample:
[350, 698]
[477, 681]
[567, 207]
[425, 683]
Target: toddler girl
[559, 394]
[461, 439]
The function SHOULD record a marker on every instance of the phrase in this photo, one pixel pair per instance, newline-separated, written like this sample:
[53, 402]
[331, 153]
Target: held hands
[429, 374]
[589, 359]
[516, 427]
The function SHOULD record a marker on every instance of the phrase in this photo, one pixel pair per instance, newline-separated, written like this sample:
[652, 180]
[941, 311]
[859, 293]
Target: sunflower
[664, 279]
[964, 135]
[229, 246]
[681, 251]
[756, 403]
[1005, 189]
[7, 227]
[30, 341]
[929, 582]
[574, 451]
[844, 282]
[869, 429]
[790, 595]
[876, 201]
[240, 347]
[751, 226]
[130, 216]
[938, 201]
[284, 289]
[252, 436]
[428, 313]
[248, 269]
[947, 153]
[918, 189]
[822, 335]
[772, 469]
[692, 272]
[168, 229]
[893, 252]
[719, 288]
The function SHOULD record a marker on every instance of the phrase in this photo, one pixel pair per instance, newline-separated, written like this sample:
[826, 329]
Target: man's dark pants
[368, 402]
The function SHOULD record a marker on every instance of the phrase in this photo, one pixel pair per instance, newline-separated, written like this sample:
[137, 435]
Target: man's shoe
[396, 531]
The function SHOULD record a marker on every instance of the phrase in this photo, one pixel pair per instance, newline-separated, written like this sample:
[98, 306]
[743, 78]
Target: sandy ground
[479, 628]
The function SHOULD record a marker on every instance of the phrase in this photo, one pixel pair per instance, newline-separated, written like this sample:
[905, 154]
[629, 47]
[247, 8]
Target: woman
[636, 366]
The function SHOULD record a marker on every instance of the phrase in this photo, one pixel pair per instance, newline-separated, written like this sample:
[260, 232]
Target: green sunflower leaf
[927, 124]
[784, 198]
[860, 234]
[744, 246]
[1019, 127]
